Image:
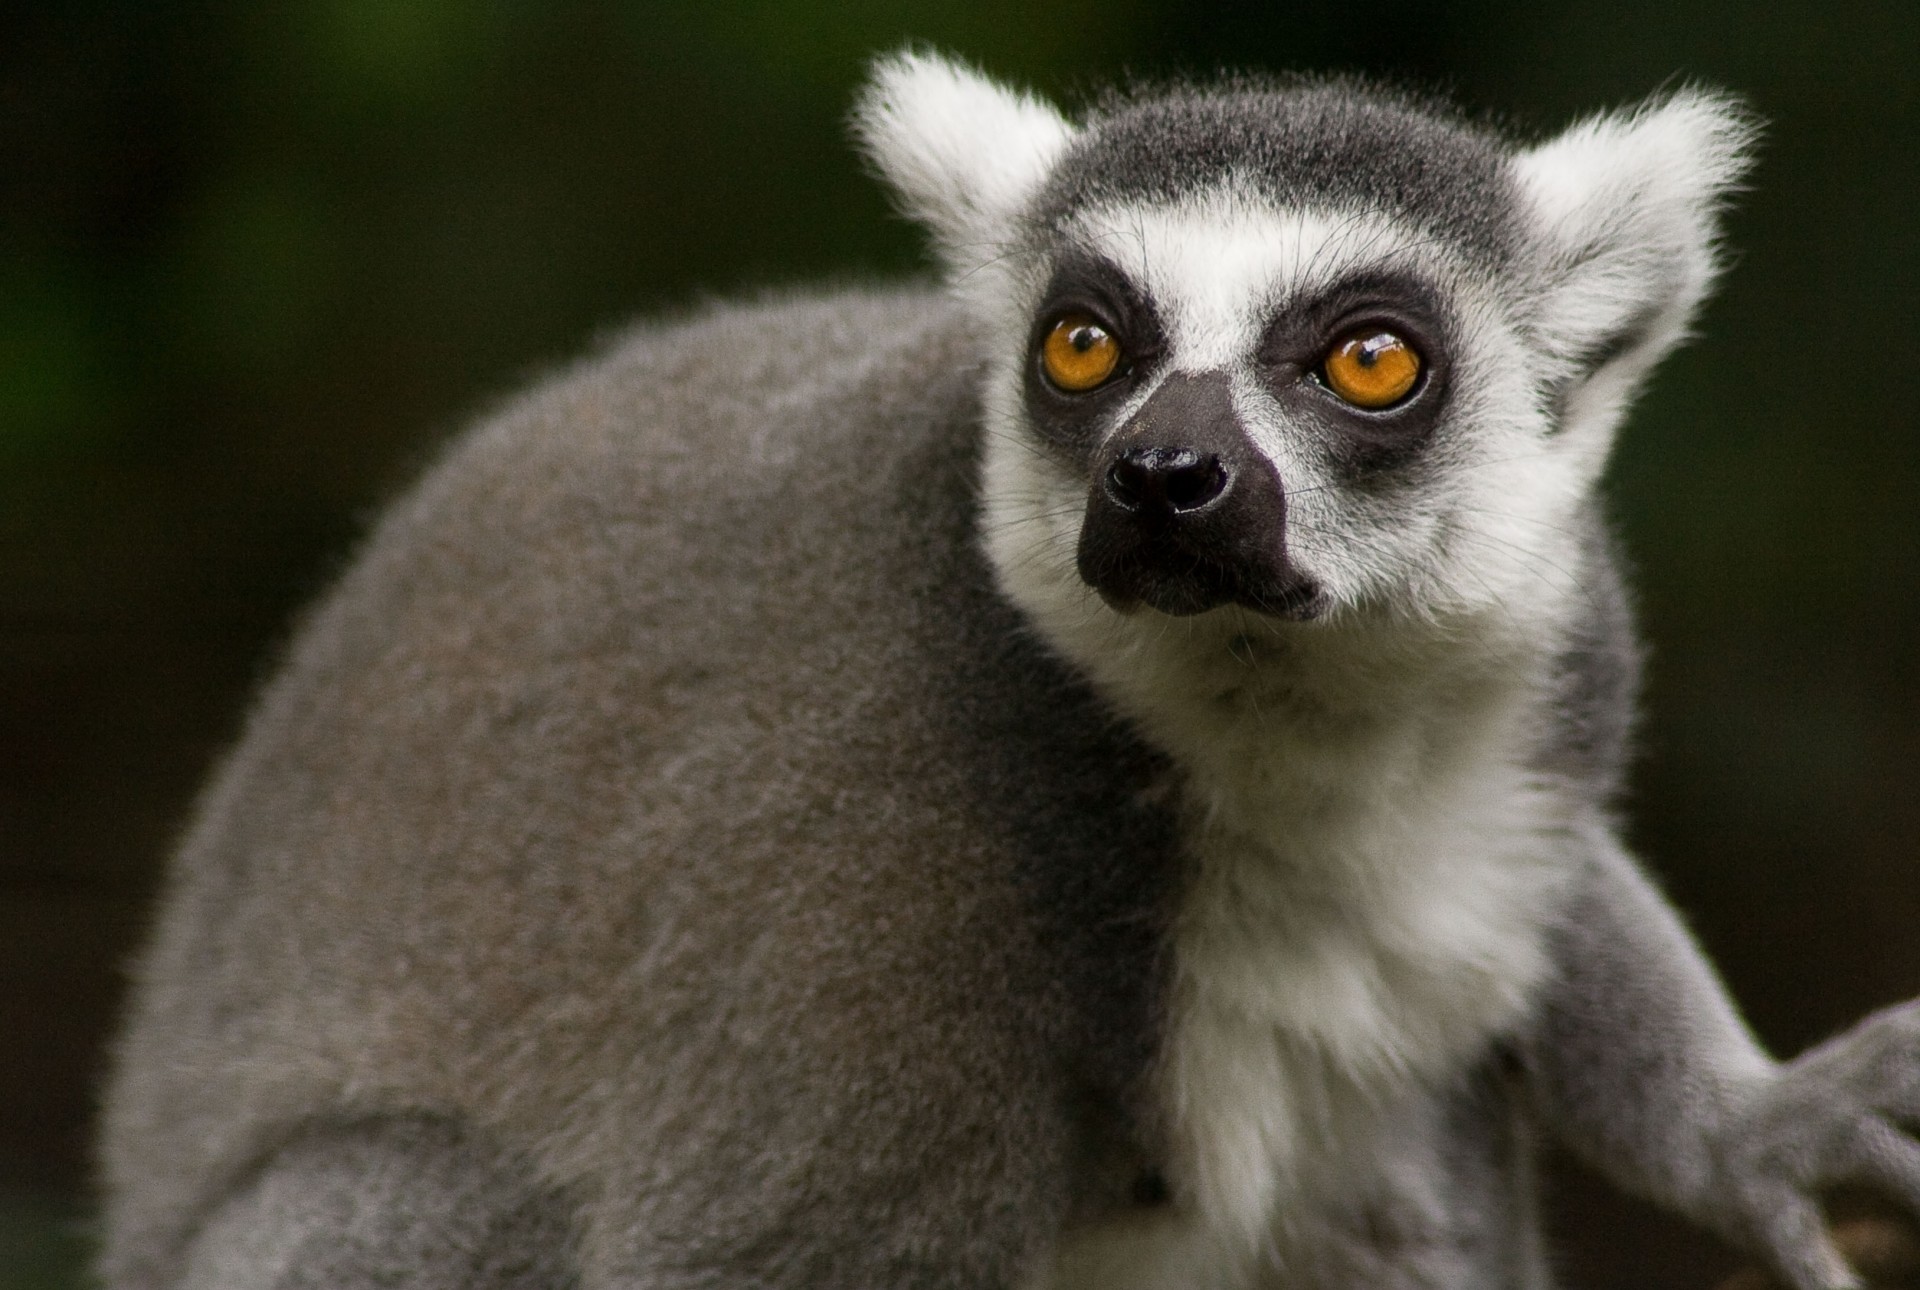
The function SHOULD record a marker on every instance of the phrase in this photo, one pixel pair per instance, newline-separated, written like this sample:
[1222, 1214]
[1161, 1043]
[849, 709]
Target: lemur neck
[1308, 718]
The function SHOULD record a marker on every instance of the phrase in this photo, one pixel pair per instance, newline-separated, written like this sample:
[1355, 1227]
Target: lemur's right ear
[962, 153]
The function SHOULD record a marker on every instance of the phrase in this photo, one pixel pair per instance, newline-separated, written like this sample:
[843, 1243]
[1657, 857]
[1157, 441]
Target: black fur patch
[1074, 423]
[1364, 444]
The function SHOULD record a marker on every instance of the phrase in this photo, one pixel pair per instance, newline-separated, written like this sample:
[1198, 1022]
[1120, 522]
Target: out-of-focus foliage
[43, 1243]
[256, 260]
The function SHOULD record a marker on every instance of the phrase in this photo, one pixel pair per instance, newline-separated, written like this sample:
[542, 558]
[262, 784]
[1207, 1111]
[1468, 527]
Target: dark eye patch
[1084, 284]
[1294, 348]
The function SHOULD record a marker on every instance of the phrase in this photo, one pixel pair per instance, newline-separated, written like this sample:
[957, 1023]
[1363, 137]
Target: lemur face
[1235, 391]
[1299, 353]
[1289, 400]
[1244, 341]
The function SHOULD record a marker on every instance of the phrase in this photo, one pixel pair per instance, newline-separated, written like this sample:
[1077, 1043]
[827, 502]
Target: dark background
[256, 259]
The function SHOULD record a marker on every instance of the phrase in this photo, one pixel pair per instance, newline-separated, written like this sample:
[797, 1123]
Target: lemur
[1103, 772]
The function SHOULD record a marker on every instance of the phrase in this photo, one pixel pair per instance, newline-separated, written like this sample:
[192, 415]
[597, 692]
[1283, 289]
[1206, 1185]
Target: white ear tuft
[962, 153]
[1625, 209]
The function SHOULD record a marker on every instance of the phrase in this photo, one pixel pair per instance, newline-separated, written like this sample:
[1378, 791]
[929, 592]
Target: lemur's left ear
[962, 153]
[1624, 210]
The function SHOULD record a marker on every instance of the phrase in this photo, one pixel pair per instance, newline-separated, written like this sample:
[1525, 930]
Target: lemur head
[1304, 351]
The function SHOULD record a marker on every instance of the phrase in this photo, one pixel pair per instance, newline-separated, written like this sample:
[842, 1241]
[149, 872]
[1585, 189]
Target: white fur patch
[1373, 881]
[1220, 264]
[1375, 868]
[963, 153]
[1625, 205]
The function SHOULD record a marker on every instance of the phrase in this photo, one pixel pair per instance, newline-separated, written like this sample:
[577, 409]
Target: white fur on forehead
[963, 153]
[1625, 208]
[1218, 262]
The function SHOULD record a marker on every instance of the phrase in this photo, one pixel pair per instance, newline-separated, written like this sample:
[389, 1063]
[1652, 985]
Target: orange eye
[1079, 354]
[1371, 369]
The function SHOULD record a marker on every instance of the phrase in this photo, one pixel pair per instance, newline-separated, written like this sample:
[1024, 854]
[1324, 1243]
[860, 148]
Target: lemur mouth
[1185, 514]
[1182, 584]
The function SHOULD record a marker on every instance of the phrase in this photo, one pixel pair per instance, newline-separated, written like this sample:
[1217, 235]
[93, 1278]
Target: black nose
[1170, 481]
[1184, 512]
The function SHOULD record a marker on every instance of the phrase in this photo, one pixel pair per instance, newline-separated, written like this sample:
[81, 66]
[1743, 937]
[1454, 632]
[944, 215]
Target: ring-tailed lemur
[1102, 775]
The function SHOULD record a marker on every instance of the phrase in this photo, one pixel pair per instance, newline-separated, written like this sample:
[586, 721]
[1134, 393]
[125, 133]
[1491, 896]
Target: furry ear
[961, 153]
[1624, 208]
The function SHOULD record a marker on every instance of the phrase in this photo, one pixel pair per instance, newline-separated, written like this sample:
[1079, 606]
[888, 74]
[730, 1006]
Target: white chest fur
[1371, 882]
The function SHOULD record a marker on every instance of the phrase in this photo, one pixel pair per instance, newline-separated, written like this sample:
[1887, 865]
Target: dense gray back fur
[696, 635]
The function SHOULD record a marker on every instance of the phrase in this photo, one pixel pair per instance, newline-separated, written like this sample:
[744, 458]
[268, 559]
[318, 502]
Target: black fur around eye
[1364, 368]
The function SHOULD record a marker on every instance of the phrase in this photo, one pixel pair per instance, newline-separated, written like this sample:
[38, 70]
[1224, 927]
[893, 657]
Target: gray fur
[508, 840]
[393, 1202]
[680, 854]
[1305, 141]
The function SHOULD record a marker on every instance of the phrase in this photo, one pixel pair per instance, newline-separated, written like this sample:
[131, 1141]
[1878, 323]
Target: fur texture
[727, 830]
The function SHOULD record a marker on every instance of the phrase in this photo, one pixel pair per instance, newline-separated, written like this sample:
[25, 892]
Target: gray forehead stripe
[1329, 143]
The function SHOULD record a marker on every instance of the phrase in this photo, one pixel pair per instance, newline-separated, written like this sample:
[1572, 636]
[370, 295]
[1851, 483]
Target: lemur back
[747, 791]
[1099, 774]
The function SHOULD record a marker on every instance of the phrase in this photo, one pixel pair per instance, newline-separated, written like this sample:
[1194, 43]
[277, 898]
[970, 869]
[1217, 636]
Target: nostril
[1165, 479]
[1129, 483]
[1190, 487]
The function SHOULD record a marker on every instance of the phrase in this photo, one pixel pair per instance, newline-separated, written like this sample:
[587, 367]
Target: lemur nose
[1170, 481]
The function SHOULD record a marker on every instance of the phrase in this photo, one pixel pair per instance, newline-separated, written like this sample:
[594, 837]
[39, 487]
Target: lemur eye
[1371, 368]
[1079, 354]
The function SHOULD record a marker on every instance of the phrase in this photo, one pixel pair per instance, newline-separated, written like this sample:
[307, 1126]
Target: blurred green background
[256, 259]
